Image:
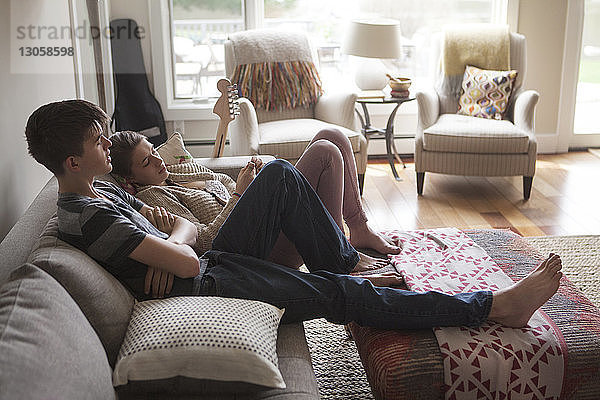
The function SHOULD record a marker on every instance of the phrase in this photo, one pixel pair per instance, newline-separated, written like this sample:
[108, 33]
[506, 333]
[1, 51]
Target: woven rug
[337, 366]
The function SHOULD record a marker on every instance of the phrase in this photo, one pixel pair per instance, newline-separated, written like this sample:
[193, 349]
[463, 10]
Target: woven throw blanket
[275, 69]
[491, 361]
[485, 46]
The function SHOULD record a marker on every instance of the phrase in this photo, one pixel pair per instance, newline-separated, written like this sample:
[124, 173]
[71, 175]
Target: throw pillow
[105, 302]
[48, 350]
[173, 151]
[485, 93]
[213, 338]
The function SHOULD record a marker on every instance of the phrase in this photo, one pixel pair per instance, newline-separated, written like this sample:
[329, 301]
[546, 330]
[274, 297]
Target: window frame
[253, 14]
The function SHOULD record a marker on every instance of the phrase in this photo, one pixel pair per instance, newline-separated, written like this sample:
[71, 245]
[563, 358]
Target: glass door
[586, 123]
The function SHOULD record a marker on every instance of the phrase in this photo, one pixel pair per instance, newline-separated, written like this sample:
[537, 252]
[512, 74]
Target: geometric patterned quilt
[490, 361]
[408, 364]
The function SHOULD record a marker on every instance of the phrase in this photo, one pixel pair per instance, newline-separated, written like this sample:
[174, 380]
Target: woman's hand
[160, 282]
[162, 220]
[245, 177]
[258, 163]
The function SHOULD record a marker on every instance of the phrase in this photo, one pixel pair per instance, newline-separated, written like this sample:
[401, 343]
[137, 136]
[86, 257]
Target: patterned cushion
[485, 93]
[464, 134]
[298, 134]
[173, 151]
[212, 338]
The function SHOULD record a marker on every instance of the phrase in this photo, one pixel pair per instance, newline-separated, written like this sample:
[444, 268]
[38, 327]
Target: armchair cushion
[485, 93]
[463, 134]
[298, 134]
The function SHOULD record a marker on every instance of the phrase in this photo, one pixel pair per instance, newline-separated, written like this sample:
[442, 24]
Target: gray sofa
[63, 318]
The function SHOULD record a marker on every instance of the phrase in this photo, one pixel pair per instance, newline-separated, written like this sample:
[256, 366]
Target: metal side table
[370, 131]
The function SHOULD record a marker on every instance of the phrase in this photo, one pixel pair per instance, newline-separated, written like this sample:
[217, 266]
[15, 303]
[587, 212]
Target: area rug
[336, 362]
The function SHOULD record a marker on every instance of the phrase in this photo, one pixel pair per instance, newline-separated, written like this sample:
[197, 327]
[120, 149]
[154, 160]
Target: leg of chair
[361, 182]
[527, 181]
[420, 180]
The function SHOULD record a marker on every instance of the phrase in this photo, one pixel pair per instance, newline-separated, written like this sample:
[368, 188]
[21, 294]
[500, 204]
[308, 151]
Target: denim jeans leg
[281, 199]
[341, 298]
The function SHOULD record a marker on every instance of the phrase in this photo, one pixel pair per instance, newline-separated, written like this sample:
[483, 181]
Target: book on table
[371, 94]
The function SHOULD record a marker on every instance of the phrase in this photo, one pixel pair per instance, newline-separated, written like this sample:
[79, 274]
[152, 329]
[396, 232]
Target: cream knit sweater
[196, 205]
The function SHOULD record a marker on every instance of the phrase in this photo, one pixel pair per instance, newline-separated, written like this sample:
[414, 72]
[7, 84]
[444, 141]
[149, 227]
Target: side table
[388, 132]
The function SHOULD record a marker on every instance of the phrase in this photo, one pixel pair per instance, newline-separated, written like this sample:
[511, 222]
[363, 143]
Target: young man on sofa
[111, 226]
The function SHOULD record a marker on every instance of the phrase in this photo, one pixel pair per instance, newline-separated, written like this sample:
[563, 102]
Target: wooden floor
[565, 199]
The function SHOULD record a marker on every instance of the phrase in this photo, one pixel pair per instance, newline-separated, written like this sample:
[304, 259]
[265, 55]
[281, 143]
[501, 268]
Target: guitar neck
[220, 140]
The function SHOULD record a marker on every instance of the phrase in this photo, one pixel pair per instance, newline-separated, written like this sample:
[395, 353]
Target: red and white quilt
[491, 361]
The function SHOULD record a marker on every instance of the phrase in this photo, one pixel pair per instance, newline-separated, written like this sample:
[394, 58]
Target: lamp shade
[374, 38]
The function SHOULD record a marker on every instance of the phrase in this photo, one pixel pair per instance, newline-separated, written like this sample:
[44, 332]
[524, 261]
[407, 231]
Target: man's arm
[178, 259]
[173, 255]
[180, 230]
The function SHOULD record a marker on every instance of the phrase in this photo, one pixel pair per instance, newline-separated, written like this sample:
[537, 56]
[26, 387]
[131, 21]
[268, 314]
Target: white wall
[21, 177]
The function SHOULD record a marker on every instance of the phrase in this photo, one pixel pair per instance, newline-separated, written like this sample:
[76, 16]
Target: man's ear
[71, 164]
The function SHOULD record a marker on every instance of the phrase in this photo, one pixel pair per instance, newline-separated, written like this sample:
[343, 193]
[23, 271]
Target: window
[198, 29]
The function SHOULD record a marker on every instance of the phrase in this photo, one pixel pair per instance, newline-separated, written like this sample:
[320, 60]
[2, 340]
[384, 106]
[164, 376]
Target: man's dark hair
[123, 144]
[56, 131]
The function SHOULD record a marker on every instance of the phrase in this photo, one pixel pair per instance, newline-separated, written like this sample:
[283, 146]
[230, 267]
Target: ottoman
[408, 364]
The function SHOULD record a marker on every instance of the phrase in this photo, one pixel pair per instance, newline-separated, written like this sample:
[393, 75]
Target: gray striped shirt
[108, 231]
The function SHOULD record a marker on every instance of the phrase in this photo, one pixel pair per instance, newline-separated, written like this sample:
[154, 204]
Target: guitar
[226, 107]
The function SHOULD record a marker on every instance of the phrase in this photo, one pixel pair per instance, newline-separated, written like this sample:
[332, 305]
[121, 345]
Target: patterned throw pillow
[485, 93]
[210, 338]
[173, 151]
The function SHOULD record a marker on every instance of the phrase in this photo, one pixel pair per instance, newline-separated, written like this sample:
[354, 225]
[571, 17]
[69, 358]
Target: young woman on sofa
[207, 198]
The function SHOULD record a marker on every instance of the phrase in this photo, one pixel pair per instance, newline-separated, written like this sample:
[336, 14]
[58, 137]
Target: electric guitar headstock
[226, 107]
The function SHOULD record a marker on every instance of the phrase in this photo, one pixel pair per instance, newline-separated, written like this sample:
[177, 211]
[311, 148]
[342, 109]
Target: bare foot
[365, 238]
[514, 305]
[385, 279]
[368, 263]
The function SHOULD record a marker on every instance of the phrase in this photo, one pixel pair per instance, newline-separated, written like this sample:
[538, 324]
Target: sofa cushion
[48, 350]
[173, 151]
[464, 134]
[212, 338]
[298, 134]
[105, 302]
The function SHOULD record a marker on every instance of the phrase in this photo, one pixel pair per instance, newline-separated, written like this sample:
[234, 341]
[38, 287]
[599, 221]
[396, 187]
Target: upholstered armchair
[448, 143]
[283, 123]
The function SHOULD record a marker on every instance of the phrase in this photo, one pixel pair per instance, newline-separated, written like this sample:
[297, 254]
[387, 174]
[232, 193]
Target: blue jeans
[280, 199]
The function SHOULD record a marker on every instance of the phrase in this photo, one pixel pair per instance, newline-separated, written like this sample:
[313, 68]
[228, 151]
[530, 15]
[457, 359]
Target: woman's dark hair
[123, 144]
[57, 131]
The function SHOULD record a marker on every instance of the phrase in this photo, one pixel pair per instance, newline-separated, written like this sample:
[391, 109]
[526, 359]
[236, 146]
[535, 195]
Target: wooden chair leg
[361, 183]
[527, 182]
[420, 180]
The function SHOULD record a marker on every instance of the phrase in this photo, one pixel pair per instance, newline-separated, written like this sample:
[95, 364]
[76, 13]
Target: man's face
[95, 160]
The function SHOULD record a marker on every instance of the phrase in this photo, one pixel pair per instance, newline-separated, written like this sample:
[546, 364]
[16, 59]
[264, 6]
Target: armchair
[454, 144]
[281, 126]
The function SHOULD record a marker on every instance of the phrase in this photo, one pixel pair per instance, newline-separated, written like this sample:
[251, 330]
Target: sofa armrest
[337, 109]
[524, 110]
[243, 130]
[229, 165]
[429, 108]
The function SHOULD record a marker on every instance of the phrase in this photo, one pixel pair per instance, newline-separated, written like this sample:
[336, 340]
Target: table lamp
[372, 39]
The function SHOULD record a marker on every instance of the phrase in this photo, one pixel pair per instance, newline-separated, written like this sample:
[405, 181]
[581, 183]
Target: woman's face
[147, 168]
